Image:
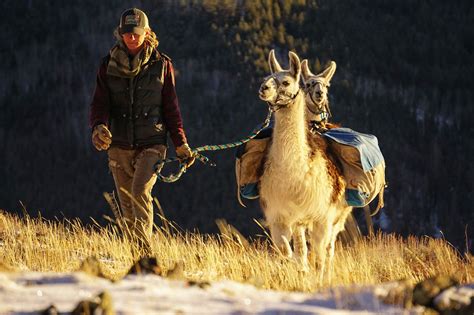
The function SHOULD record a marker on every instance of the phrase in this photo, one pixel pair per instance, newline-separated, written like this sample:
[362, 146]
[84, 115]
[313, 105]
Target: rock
[146, 265]
[51, 310]
[456, 300]
[5, 268]
[177, 271]
[400, 294]
[100, 305]
[92, 267]
[426, 290]
[201, 284]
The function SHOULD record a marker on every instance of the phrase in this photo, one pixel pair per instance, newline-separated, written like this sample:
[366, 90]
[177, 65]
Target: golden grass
[31, 244]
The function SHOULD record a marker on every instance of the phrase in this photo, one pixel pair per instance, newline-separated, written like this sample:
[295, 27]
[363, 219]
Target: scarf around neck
[122, 65]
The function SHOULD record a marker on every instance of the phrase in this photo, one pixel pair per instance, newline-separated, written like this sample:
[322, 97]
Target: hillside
[404, 74]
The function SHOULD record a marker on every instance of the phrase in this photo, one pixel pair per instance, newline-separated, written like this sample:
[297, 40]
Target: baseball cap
[133, 21]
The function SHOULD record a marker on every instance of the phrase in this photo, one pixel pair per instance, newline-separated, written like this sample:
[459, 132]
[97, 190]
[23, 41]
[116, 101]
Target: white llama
[301, 186]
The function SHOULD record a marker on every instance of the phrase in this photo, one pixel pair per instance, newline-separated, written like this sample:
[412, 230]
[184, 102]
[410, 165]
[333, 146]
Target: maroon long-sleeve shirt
[100, 106]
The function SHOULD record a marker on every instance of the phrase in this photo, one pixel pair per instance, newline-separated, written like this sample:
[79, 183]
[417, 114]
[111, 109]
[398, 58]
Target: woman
[134, 107]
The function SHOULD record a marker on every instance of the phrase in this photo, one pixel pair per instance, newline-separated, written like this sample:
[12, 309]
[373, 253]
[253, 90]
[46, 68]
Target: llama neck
[290, 150]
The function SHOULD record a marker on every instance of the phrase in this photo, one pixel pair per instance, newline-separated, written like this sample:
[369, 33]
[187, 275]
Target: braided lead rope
[213, 147]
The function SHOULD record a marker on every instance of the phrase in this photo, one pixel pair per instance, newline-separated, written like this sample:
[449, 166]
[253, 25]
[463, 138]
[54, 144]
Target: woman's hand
[184, 153]
[101, 137]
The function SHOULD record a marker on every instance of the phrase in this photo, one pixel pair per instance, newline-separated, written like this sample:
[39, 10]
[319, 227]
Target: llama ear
[306, 73]
[328, 72]
[273, 63]
[295, 65]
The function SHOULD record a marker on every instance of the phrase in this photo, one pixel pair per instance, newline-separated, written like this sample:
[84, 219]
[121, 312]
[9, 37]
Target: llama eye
[286, 83]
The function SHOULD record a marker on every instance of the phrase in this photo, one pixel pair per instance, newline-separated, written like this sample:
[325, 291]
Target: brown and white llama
[301, 187]
[316, 89]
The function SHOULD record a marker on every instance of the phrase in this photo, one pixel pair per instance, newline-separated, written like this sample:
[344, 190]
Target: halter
[276, 107]
[324, 113]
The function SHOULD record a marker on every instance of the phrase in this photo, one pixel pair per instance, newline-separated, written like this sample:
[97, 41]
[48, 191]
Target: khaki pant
[133, 171]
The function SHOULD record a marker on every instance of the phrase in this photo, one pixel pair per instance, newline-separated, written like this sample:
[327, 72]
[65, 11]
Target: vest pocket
[118, 127]
[149, 125]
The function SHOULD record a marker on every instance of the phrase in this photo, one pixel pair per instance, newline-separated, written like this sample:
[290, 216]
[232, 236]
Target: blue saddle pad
[367, 145]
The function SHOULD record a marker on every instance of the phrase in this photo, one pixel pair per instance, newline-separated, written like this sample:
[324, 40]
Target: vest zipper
[132, 129]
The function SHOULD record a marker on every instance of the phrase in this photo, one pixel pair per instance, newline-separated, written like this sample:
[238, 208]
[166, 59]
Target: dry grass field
[35, 244]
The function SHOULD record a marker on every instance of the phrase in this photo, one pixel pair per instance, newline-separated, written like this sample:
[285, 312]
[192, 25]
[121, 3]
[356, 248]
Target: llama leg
[331, 248]
[337, 228]
[330, 253]
[301, 250]
[281, 236]
[321, 237]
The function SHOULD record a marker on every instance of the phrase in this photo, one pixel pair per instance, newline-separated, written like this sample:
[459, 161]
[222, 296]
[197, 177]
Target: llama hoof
[321, 279]
[301, 265]
[304, 265]
[304, 269]
[286, 259]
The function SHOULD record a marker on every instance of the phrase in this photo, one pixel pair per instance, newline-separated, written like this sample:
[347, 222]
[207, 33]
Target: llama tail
[380, 204]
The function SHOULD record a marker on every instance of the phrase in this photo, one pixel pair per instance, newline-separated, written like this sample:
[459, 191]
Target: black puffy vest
[136, 110]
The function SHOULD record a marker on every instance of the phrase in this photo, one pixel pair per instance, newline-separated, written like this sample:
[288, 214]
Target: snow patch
[151, 294]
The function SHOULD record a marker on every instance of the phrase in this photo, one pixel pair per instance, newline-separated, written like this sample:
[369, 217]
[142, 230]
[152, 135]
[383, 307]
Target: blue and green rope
[213, 147]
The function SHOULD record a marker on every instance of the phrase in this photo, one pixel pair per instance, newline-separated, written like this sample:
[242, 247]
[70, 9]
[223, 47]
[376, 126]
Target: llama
[316, 88]
[301, 188]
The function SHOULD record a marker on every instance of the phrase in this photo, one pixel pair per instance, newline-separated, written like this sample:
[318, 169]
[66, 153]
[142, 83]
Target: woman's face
[133, 41]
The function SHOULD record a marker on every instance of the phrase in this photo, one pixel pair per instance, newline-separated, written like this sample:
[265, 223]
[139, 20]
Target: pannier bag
[363, 165]
[359, 154]
[249, 161]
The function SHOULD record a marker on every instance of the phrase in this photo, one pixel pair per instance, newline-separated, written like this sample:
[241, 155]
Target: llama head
[282, 86]
[316, 86]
